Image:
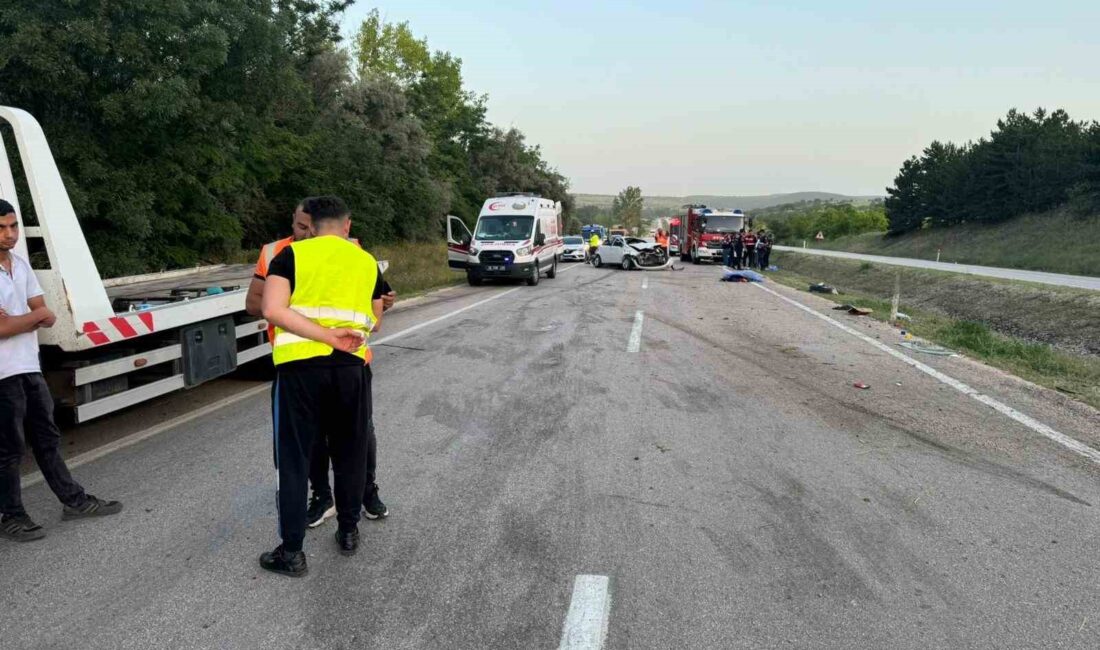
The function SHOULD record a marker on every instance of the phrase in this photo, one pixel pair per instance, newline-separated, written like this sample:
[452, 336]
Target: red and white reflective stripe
[119, 328]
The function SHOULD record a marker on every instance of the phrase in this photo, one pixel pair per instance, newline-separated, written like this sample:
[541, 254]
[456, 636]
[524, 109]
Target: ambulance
[518, 236]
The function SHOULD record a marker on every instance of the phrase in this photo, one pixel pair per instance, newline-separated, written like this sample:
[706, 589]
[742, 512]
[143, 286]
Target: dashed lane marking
[589, 610]
[635, 342]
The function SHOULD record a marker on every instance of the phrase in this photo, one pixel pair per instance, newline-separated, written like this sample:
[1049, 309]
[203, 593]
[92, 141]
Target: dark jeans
[727, 255]
[750, 257]
[320, 400]
[738, 252]
[26, 412]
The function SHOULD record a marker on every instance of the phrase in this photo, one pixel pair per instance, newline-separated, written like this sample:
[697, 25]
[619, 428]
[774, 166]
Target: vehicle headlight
[473, 251]
[520, 252]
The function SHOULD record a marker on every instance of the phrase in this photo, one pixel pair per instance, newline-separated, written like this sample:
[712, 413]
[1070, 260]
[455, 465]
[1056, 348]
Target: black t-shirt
[283, 266]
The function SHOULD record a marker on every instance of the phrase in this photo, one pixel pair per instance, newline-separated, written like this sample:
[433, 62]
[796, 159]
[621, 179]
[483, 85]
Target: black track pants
[313, 400]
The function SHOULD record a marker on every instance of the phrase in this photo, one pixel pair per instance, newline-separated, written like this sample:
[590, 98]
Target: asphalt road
[726, 477]
[1041, 277]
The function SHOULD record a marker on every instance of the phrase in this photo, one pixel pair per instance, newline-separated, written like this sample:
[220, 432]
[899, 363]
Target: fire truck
[700, 230]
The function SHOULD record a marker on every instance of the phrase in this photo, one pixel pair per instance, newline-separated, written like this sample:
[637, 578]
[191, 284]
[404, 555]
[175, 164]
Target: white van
[517, 236]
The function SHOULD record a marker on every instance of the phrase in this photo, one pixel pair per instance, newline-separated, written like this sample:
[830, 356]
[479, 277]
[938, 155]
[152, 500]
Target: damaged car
[630, 253]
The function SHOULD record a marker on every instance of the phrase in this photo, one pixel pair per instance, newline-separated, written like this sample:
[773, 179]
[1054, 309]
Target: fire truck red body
[700, 231]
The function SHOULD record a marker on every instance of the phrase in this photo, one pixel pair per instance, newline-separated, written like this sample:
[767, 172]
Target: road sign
[820, 236]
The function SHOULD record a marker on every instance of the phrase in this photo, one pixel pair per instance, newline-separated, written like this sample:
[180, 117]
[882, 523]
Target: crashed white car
[630, 253]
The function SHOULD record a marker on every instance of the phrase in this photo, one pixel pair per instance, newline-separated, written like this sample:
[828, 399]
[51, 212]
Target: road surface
[683, 461]
[1056, 279]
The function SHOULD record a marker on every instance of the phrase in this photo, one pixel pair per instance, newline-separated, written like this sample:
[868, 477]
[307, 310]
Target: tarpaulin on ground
[740, 275]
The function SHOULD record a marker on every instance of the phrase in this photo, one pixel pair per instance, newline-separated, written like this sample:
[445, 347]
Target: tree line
[1028, 164]
[791, 223]
[185, 130]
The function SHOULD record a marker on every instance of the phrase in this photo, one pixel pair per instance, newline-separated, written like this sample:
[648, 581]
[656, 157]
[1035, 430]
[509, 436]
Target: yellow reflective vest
[334, 283]
[594, 241]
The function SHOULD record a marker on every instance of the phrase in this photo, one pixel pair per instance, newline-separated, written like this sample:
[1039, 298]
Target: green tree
[627, 209]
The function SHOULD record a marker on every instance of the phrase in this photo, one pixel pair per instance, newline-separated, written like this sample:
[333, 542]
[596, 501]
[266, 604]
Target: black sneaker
[92, 507]
[348, 541]
[373, 508]
[20, 528]
[320, 509]
[283, 562]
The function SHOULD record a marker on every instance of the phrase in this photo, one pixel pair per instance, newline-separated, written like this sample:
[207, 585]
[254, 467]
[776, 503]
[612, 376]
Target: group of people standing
[745, 249]
[322, 296]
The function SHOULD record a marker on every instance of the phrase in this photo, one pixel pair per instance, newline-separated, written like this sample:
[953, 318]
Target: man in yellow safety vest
[321, 504]
[323, 295]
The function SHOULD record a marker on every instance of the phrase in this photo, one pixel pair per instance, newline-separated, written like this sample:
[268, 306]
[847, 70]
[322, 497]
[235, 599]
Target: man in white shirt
[26, 408]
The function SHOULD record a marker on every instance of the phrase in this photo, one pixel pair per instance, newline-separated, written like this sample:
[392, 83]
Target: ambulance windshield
[504, 228]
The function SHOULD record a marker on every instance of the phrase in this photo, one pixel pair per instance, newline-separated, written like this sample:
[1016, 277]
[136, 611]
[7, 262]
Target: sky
[746, 98]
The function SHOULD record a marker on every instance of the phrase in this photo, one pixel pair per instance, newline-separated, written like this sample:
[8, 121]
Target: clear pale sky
[737, 97]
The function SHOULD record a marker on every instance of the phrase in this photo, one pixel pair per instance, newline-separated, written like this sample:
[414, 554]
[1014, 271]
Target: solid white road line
[429, 323]
[134, 438]
[635, 342]
[1029, 422]
[586, 623]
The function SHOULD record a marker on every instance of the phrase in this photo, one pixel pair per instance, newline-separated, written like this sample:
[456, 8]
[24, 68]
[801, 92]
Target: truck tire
[534, 279]
[596, 261]
[473, 279]
[553, 272]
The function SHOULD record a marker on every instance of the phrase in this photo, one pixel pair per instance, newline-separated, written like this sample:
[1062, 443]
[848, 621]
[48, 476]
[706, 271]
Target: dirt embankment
[1068, 319]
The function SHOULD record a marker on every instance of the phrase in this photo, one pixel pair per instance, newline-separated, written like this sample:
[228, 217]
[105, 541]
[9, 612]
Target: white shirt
[18, 354]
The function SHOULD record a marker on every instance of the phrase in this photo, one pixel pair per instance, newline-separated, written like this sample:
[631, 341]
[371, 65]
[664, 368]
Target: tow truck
[120, 341]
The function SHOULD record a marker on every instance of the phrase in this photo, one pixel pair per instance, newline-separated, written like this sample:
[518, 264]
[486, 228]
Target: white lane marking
[428, 323]
[589, 610]
[134, 438]
[418, 326]
[635, 342]
[1029, 422]
[645, 282]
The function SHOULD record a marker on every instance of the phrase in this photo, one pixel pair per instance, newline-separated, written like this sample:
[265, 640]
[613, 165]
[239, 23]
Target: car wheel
[628, 263]
[596, 262]
[553, 272]
[473, 279]
[534, 279]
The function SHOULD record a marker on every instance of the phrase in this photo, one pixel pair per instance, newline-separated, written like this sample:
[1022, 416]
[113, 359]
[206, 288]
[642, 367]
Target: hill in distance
[746, 203]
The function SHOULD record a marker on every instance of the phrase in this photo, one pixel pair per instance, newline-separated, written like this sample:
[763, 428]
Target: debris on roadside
[904, 317]
[852, 309]
[860, 385]
[927, 348]
[821, 287]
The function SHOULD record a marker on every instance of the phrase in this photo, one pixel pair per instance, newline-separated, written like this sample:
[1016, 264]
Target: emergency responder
[321, 505]
[662, 239]
[26, 408]
[323, 295]
[593, 246]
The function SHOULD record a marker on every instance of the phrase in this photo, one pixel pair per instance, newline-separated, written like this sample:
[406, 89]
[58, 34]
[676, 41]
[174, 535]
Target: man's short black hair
[324, 208]
[6, 208]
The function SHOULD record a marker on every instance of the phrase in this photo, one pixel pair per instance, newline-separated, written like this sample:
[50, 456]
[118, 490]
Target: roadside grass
[417, 267]
[1067, 318]
[1057, 242]
[1042, 364]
